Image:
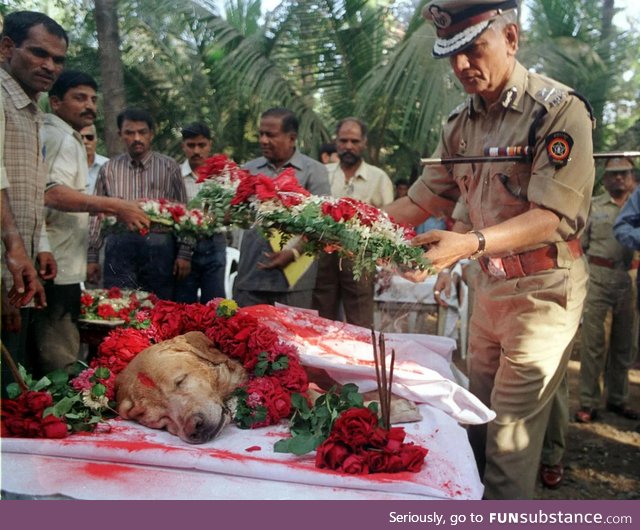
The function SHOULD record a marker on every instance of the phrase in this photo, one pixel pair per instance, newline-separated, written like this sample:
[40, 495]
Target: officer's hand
[444, 248]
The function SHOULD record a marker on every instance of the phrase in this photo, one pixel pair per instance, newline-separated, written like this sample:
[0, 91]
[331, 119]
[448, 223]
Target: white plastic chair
[231, 270]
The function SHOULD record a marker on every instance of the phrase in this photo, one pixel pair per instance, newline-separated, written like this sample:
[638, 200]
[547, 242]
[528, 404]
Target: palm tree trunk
[106, 13]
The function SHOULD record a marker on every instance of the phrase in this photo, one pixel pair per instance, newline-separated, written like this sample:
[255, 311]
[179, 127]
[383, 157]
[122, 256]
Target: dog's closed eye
[179, 380]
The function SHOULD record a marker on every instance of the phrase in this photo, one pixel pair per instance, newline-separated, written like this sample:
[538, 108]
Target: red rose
[36, 401]
[412, 457]
[245, 190]
[355, 464]
[273, 397]
[331, 454]
[384, 462]
[54, 427]
[214, 166]
[86, 299]
[294, 378]
[105, 311]
[355, 426]
[395, 437]
[166, 319]
[119, 347]
[114, 292]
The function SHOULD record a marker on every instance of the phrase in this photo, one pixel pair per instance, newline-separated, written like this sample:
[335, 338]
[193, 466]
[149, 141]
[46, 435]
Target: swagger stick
[504, 154]
[6, 355]
[383, 372]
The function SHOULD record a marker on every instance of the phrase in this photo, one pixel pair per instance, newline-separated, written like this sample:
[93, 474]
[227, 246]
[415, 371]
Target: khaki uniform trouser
[520, 333]
[609, 336]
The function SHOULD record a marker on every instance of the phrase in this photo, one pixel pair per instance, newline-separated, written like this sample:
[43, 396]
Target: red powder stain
[146, 380]
[105, 470]
[253, 448]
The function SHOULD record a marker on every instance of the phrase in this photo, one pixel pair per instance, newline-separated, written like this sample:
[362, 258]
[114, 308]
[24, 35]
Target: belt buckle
[496, 268]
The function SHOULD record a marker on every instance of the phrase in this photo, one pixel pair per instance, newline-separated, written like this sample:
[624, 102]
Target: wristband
[482, 242]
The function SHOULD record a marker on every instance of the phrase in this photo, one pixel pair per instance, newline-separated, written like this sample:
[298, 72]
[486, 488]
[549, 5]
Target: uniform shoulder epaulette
[550, 96]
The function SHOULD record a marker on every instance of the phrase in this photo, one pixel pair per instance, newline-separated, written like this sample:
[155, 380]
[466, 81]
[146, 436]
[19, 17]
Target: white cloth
[66, 158]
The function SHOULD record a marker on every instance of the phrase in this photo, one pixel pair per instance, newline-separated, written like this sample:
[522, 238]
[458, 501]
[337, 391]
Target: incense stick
[14, 369]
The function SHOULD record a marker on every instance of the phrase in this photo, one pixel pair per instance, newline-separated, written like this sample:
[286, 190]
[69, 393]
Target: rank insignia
[559, 146]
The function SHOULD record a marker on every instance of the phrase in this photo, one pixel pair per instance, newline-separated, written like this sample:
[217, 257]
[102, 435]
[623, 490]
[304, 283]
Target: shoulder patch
[558, 146]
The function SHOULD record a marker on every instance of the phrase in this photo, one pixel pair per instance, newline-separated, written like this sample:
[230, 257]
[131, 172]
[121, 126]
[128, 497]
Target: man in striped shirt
[132, 260]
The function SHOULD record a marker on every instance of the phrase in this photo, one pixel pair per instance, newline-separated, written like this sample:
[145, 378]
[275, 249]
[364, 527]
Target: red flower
[355, 426]
[355, 464]
[166, 320]
[341, 210]
[214, 166]
[114, 292]
[177, 211]
[119, 347]
[246, 189]
[284, 187]
[54, 427]
[105, 311]
[86, 299]
[413, 457]
[22, 417]
[294, 378]
[331, 454]
[273, 397]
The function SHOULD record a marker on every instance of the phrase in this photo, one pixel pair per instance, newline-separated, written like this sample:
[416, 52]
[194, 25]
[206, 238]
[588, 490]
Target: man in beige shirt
[351, 177]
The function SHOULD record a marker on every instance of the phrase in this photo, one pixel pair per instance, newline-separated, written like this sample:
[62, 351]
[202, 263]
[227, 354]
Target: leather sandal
[624, 411]
[551, 476]
[586, 415]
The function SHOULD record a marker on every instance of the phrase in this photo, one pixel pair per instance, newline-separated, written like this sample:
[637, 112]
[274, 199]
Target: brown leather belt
[610, 264]
[527, 263]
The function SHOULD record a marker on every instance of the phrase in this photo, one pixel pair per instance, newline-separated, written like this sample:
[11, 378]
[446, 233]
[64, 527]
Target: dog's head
[181, 385]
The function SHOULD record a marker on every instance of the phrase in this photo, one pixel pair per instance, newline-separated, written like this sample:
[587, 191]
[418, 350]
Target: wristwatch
[482, 243]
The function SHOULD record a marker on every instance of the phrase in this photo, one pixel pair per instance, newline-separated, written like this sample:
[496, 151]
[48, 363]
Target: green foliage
[310, 426]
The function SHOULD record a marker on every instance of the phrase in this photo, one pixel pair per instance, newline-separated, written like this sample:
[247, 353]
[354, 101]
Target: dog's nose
[199, 430]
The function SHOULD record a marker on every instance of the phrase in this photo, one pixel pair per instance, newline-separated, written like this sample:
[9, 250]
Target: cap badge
[441, 18]
[558, 145]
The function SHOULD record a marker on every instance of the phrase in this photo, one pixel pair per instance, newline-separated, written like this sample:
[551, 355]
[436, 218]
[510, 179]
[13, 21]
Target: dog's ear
[203, 347]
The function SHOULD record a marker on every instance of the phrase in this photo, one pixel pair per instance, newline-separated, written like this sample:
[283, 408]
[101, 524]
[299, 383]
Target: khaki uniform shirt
[491, 193]
[24, 164]
[598, 240]
[370, 184]
[67, 231]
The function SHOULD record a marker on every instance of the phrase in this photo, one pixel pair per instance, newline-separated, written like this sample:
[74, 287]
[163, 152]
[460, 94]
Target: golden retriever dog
[181, 385]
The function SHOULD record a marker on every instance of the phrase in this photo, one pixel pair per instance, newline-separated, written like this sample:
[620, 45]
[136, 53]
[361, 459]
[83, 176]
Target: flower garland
[116, 304]
[231, 196]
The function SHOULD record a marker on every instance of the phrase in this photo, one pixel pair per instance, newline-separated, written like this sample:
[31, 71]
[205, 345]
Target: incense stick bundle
[384, 384]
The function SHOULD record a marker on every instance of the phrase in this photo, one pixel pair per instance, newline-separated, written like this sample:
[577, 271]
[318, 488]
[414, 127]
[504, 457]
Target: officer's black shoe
[624, 411]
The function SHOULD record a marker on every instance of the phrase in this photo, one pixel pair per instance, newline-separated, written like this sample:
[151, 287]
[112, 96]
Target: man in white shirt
[73, 101]
[351, 177]
[209, 257]
[94, 160]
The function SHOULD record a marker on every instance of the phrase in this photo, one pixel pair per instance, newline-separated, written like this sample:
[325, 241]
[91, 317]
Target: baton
[512, 154]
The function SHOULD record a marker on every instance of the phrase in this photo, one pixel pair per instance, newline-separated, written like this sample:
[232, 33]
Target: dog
[182, 385]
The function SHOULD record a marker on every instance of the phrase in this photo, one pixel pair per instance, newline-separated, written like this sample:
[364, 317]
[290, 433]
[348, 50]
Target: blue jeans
[133, 261]
[207, 272]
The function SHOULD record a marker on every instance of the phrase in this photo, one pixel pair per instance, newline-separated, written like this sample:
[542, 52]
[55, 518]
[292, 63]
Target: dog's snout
[199, 429]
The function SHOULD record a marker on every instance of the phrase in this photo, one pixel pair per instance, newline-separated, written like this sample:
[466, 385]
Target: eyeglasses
[89, 137]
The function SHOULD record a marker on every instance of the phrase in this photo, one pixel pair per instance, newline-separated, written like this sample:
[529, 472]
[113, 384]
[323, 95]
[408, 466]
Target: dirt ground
[602, 460]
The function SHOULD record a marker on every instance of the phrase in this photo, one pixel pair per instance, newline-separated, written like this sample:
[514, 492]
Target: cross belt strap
[529, 262]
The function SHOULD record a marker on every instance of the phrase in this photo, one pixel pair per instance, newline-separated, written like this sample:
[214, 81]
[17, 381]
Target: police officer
[608, 351]
[521, 220]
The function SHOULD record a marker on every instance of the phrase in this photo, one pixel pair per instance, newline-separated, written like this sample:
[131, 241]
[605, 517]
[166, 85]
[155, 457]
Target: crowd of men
[546, 253]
